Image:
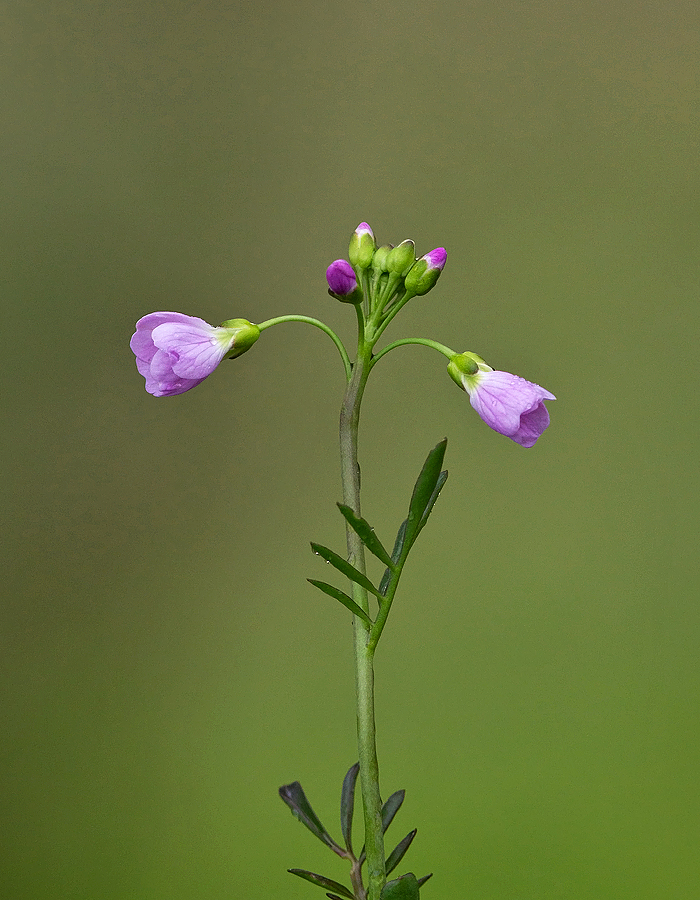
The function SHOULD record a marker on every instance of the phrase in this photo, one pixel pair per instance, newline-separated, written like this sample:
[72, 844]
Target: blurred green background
[165, 664]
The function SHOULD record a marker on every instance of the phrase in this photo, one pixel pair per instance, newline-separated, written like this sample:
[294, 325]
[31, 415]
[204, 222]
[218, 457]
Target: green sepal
[347, 804]
[323, 882]
[397, 854]
[295, 798]
[337, 594]
[366, 534]
[425, 492]
[342, 565]
[421, 881]
[403, 888]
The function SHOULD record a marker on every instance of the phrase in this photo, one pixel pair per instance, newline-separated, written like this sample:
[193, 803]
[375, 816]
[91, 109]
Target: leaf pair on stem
[404, 888]
[425, 493]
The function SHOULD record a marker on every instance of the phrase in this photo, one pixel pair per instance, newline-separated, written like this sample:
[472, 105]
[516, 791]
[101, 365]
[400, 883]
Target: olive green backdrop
[165, 664]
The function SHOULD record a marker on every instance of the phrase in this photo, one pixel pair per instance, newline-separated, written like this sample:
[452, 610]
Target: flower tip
[341, 277]
[363, 228]
[437, 258]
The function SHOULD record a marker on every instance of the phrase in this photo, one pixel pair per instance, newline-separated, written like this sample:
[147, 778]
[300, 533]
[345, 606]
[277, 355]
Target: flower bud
[380, 259]
[342, 282]
[362, 246]
[401, 258]
[426, 272]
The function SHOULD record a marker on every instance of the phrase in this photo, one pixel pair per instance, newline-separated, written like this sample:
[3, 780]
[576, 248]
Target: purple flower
[507, 403]
[174, 352]
[342, 282]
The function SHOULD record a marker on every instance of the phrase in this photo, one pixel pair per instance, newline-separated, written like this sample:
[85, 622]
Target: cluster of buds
[384, 276]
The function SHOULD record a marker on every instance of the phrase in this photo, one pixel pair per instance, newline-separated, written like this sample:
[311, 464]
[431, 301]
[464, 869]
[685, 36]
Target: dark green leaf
[421, 881]
[403, 888]
[397, 854]
[391, 807]
[431, 503]
[399, 542]
[323, 882]
[347, 804]
[342, 565]
[343, 598]
[334, 897]
[366, 534]
[295, 798]
[395, 555]
[424, 489]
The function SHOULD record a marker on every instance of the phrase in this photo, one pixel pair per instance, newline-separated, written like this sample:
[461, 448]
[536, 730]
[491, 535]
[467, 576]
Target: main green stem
[364, 656]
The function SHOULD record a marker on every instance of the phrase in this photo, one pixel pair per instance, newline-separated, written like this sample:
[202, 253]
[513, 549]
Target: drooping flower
[507, 403]
[175, 352]
[342, 282]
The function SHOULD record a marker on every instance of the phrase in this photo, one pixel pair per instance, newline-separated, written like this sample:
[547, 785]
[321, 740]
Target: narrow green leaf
[342, 565]
[343, 598]
[391, 807]
[295, 798]
[396, 557]
[347, 804]
[403, 888]
[397, 854]
[423, 490]
[421, 881]
[366, 534]
[431, 503]
[323, 882]
[334, 897]
[399, 542]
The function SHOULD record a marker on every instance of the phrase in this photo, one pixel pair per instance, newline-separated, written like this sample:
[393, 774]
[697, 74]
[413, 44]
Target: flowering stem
[278, 320]
[435, 345]
[364, 654]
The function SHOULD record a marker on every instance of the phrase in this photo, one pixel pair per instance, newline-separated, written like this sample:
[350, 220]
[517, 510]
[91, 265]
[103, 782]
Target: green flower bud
[401, 258]
[379, 261]
[426, 272]
[362, 246]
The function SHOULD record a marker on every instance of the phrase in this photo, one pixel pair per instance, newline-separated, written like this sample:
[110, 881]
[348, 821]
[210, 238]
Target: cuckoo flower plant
[175, 352]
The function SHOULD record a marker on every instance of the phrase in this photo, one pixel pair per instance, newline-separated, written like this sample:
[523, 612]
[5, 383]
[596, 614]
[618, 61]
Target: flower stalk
[363, 652]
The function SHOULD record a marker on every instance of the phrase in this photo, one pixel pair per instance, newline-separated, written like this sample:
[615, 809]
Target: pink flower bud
[342, 282]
